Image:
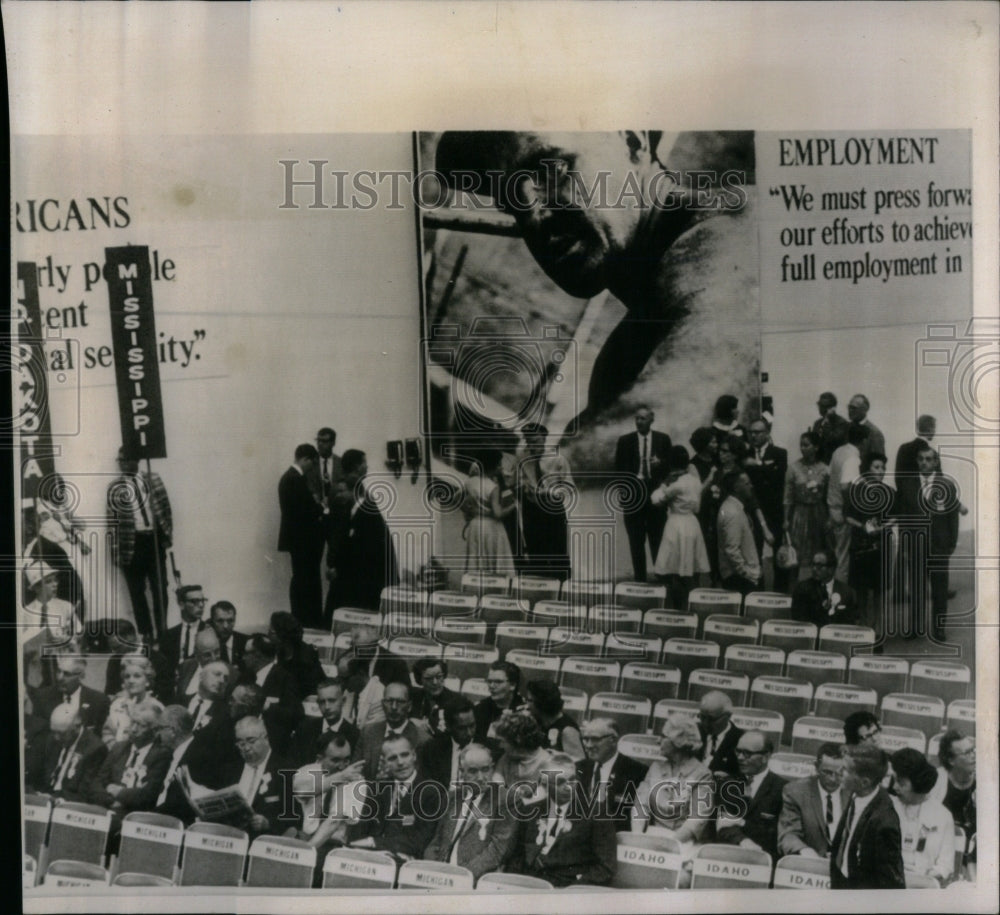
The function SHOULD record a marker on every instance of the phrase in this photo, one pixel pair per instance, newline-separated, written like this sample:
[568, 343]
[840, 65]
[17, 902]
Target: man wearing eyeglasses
[824, 599]
[396, 705]
[178, 642]
[261, 780]
[751, 804]
[606, 775]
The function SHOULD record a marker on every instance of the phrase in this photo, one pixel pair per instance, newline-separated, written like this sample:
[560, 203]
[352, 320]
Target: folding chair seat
[630, 713]
[412, 647]
[793, 872]
[920, 881]
[281, 861]
[788, 636]
[37, 811]
[633, 646]
[609, 618]
[647, 862]
[466, 660]
[644, 747]
[130, 879]
[949, 680]
[962, 716]
[398, 598]
[494, 609]
[323, 642]
[809, 733]
[767, 605]
[535, 666]
[640, 596]
[908, 710]
[690, 654]
[704, 602]
[346, 617]
[668, 624]
[588, 593]
[654, 681]
[569, 643]
[838, 700]
[357, 869]
[575, 701]
[591, 675]
[727, 867]
[450, 630]
[848, 640]
[78, 832]
[816, 667]
[792, 698]
[150, 844]
[497, 882]
[726, 630]
[65, 872]
[434, 875]
[531, 589]
[879, 672]
[667, 707]
[521, 636]
[792, 766]
[403, 623]
[29, 872]
[444, 604]
[483, 584]
[754, 660]
[558, 613]
[759, 719]
[895, 738]
[213, 855]
[475, 688]
[709, 680]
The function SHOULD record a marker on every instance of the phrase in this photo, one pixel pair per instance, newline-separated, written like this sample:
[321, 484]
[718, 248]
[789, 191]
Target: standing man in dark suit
[608, 777]
[330, 699]
[232, 644]
[642, 456]
[766, 466]
[360, 554]
[905, 471]
[811, 807]
[866, 853]
[92, 706]
[928, 518]
[177, 643]
[566, 841]
[327, 475]
[71, 756]
[857, 413]
[831, 427]
[821, 599]
[301, 536]
[282, 701]
[138, 505]
[756, 802]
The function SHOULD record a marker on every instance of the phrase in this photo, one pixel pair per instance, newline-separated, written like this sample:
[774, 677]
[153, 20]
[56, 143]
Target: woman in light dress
[926, 826]
[806, 514]
[682, 554]
[487, 546]
[137, 686]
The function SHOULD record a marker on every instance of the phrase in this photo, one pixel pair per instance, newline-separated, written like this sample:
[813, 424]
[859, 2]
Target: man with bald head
[477, 831]
[619, 212]
[719, 733]
[207, 648]
[175, 733]
[92, 705]
[606, 775]
[213, 747]
[71, 757]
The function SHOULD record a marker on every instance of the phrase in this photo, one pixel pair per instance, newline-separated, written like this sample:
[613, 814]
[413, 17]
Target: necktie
[171, 773]
[595, 782]
[829, 816]
[709, 748]
[225, 652]
[131, 758]
[140, 496]
[199, 704]
[128, 774]
[326, 473]
[60, 770]
[645, 458]
[842, 851]
[459, 828]
[187, 641]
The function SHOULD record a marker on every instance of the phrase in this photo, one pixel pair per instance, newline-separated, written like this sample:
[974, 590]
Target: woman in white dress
[487, 546]
[137, 686]
[682, 554]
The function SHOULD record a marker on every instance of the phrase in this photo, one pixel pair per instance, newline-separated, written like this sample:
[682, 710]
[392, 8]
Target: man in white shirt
[606, 775]
[811, 807]
[396, 706]
[175, 733]
[330, 791]
[261, 780]
[755, 824]
[739, 562]
[845, 468]
[857, 413]
[47, 610]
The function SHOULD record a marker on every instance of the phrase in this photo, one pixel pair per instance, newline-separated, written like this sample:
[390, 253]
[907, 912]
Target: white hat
[37, 571]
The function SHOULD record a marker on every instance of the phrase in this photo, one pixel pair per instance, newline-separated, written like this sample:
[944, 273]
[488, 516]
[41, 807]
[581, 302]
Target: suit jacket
[389, 667]
[768, 479]
[941, 516]
[905, 472]
[273, 798]
[305, 669]
[213, 751]
[431, 711]
[487, 836]
[760, 819]
[174, 803]
[808, 599]
[191, 670]
[233, 652]
[626, 775]
[586, 853]
[301, 527]
[360, 549]
[398, 830]
[282, 707]
[628, 457]
[874, 857]
[94, 706]
[121, 519]
[148, 784]
[369, 747]
[875, 443]
[486, 711]
[171, 647]
[315, 477]
[802, 823]
[724, 758]
[304, 739]
[832, 432]
[91, 752]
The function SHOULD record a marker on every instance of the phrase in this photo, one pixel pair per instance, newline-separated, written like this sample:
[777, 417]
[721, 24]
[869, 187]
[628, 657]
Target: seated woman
[678, 792]
[927, 828]
[137, 676]
[488, 504]
[524, 756]
[561, 731]
[956, 784]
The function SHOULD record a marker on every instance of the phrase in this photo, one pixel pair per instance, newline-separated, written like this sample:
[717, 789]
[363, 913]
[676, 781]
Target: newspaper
[255, 172]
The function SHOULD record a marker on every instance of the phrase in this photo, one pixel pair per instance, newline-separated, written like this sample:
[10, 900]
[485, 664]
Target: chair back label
[227, 845]
[649, 857]
[36, 813]
[151, 833]
[366, 870]
[732, 870]
[69, 817]
[800, 880]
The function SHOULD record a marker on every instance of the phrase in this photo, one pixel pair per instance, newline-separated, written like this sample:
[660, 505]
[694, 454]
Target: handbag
[786, 557]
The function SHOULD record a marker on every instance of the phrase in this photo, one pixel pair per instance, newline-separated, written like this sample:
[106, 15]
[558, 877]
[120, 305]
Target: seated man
[606, 775]
[330, 699]
[213, 749]
[206, 650]
[811, 807]
[330, 792]
[477, 830]
[71, 756]
[232, 644]
[822, 599]
[396, 706]
[262, 780]
[69, 689]
[566, 841]
[392, 821]
[282, 701]
[719, 734]
[176, 734]
[439, 755]
[132, 774]
[431, 697]
[749, 806]
[366, 670]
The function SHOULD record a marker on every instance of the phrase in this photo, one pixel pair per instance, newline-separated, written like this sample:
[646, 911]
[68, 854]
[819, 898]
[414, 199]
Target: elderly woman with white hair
[678, 793]
[137, 686]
